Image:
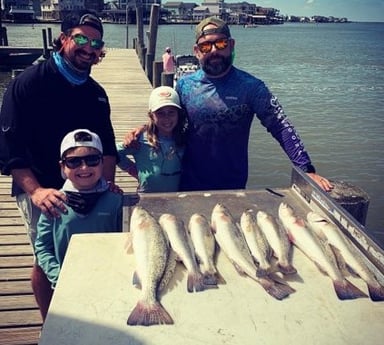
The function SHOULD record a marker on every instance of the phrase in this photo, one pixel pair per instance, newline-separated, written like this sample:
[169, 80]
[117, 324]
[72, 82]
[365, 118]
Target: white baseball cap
[78, 138]
[163, 96]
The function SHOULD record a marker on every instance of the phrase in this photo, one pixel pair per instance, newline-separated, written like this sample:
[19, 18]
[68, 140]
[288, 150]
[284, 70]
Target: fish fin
[149, 314]
[128, 246]
[136, 280]
[220, 279]
[346, 290]
[376, 293]
[287, 269]
[276, 289]
[341, 263]
[239, 269]
[169, 271]
[195, 282]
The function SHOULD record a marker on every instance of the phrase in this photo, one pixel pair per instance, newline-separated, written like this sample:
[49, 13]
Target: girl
[158, 156]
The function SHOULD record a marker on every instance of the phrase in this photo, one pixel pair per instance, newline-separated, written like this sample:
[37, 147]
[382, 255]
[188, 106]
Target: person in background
[39, 107]
[168, 61]
[91, 206]
[158, 157]
[221, 102]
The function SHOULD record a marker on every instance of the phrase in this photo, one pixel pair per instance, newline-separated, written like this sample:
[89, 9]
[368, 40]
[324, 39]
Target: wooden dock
[128, 88]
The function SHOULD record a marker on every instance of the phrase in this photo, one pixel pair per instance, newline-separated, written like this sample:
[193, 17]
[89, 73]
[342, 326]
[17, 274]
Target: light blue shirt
[158, 170]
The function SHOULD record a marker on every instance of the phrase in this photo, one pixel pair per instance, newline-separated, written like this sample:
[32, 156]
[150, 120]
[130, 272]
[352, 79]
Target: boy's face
[89, 170]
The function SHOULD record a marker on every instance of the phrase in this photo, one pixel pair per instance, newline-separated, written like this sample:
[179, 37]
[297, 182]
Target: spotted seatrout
[257, 242]
[182, 245]
[278, 240]
[151, 252]
[232, 243]
[204, 245]
[316, 251]
[352, 257]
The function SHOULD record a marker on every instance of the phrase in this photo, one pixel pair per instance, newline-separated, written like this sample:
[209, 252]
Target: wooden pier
[128, 88]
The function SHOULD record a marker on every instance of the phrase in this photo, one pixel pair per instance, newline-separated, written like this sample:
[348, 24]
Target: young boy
[91, 206]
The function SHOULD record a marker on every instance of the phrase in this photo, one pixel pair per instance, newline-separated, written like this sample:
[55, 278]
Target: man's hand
[132, 170]
[131, 138]
[50, 201]
[114, 188]
[321, 181]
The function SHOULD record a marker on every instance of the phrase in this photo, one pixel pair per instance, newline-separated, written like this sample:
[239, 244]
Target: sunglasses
[76, 161]
[82, 40]
[206, 47]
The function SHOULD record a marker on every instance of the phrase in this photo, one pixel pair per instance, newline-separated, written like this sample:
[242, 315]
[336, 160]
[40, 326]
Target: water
[328, 77]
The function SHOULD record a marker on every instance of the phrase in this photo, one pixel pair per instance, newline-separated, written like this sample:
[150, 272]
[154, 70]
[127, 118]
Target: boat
[250, 26]
[13, 57]
[185, 64]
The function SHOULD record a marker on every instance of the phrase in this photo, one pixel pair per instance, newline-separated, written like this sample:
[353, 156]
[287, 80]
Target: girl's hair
[179, 132]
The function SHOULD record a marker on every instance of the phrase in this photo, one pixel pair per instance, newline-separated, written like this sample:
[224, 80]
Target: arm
[49, 200]
[45, 250]
[278, 124]
[125, 163]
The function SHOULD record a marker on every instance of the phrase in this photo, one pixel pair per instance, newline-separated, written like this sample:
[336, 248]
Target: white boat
[186, 64]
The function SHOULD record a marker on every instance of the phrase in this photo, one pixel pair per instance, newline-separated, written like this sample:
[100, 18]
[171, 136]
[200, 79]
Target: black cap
[221, 27]
[83, 18]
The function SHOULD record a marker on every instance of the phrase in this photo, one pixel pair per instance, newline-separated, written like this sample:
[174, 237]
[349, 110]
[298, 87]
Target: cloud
[308, 2]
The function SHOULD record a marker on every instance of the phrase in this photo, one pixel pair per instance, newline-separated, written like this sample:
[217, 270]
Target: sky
[354, 10]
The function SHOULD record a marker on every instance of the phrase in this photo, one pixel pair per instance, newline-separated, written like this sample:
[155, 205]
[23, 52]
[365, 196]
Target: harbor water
[329, 79]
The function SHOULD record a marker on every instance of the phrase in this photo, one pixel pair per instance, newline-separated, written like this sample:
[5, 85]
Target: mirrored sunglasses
[206, 47]
[74, 162]
[82, 40]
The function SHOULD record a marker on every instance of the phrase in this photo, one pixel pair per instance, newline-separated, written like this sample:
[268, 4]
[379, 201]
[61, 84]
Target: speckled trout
[182, 245]
[352, 257]
[204, 245]
[151, 252]
[232, 243]
[278, 240]
[257, 242]
[315, 250]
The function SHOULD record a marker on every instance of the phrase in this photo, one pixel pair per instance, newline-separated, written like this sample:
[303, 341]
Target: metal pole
[126, 25]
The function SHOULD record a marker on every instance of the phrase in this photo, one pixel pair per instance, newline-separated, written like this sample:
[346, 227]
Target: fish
[315, 250]
[232, 243]
[204, 245]
[151, 252]
[257, 242]
[181, 243]
[352, 257]
[278, 240]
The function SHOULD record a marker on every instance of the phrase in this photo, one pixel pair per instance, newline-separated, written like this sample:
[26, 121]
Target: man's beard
[215, 68]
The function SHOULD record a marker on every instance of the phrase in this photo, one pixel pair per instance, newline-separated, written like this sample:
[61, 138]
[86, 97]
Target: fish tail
[287, 269]
[376, 292]
[276, 289]
[346, 290]
[195, 282]
[149, 314]
[210, 278]
[261, 272]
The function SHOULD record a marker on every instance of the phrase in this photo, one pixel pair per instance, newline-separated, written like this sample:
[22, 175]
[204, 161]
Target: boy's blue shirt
[54, 234]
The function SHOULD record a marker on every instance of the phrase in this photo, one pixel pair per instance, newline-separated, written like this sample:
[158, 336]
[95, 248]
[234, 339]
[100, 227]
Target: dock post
[351, 198]
[3, 37]
[157, 70]
[153, 25]
[167, 79]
